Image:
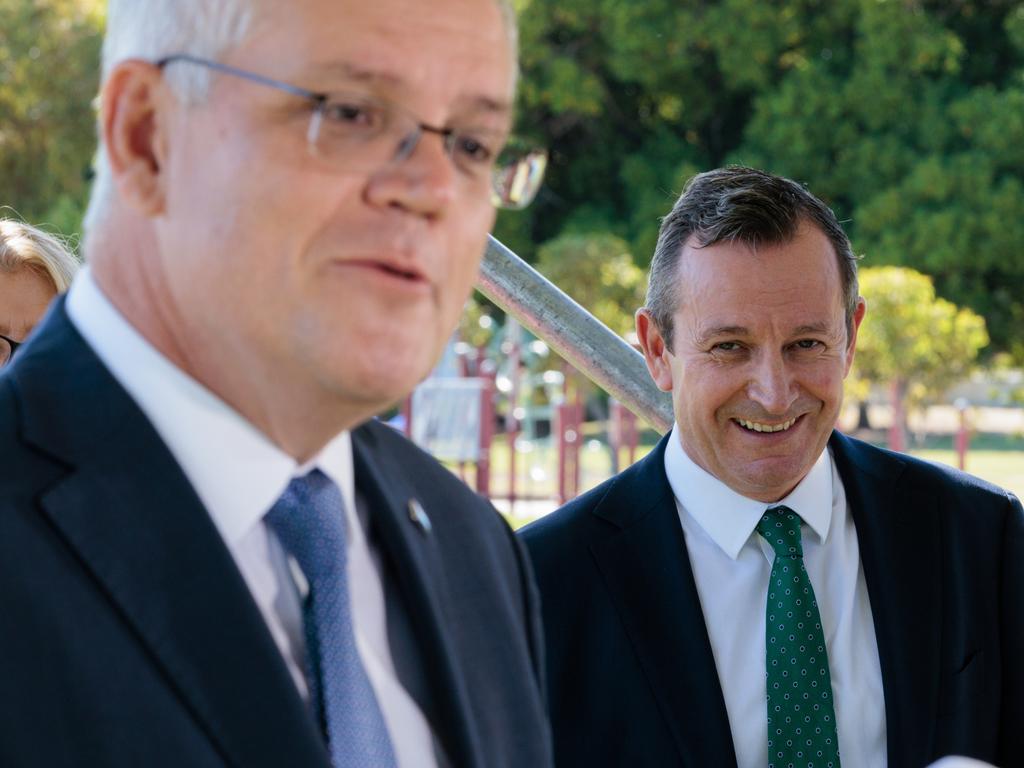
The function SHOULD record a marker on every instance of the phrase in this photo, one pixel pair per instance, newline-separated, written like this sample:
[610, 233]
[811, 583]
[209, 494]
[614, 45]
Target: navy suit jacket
[129, 637]
[631, 676]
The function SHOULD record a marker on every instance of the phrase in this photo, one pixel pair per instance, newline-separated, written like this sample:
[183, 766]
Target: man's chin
[768, 480]
[377, 389]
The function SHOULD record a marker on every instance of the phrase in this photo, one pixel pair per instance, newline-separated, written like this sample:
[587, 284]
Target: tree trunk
[898, 428]
[863, 420]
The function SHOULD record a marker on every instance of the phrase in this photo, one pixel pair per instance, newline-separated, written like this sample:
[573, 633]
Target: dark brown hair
[745, 205]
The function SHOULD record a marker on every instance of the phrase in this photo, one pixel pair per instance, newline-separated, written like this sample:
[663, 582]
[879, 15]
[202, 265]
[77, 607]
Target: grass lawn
[1004, 468]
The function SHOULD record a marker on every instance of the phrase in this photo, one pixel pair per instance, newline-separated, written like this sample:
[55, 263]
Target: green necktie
[801, 718]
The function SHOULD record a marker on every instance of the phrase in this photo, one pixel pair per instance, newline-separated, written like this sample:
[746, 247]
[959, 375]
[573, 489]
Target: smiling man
[210, 554]
[761, 590]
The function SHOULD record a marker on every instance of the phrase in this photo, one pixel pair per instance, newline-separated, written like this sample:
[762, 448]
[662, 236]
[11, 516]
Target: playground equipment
[575, 334]
[582, 340]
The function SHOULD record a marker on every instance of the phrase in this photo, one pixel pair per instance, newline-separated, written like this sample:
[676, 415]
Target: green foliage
[49, 65]
[598, 272]
[907, 116]
[476, 324]
[911, 336]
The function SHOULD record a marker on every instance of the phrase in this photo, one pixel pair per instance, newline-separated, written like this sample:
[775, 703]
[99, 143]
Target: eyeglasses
[7, 349]
[356, 132]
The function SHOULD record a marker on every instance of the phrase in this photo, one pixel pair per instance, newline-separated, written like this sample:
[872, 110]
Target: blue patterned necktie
[801, 716]
[309, 521]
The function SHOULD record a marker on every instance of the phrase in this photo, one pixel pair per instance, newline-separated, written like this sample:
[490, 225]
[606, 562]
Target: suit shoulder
[418, 465]
[462, 513]
[617, 502]
[24, 469]
[564, 526]
[960, 488]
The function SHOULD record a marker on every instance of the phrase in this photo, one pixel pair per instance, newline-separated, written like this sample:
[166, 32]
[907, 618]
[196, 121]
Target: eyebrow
[740, 331]
[360, 74]
[721, 330]
[822, 328]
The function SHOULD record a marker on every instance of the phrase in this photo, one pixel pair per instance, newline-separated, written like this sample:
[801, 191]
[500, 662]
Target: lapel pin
[419, 516]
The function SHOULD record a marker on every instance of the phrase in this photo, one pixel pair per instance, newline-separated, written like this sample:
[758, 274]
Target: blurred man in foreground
[761, 590]
[208, 555]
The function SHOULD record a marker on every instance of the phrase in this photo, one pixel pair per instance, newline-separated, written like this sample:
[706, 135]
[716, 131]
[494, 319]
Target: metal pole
[575, 334]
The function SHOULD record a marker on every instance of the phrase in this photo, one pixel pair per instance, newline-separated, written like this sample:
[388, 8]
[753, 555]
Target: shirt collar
[729, 518]
[236, 471]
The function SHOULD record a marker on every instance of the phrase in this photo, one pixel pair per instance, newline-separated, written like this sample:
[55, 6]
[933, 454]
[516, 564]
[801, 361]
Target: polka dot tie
[801, 716]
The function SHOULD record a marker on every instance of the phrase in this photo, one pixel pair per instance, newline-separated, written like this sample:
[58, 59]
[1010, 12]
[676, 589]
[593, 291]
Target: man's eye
[808, 344]
[726, 346]
[473, 150]
[353, 115]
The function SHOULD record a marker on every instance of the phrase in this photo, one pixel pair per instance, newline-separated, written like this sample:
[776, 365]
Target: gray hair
[25, 246]
[152, 29]
[740, 205]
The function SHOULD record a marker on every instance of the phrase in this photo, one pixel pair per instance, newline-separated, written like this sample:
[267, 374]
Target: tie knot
[780, 527]
[309, 521]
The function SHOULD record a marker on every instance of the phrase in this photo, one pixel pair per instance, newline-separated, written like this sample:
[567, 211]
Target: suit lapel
[126, 510]
[418, 565]
[899, 539]
[647, 572]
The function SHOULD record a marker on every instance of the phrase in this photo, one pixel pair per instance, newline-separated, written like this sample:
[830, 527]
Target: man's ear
[130, 122]
[656, 353]
[858, 316]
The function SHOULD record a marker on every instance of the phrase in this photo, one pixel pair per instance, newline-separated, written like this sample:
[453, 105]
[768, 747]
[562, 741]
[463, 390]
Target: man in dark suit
[761, 590]
[208, 555]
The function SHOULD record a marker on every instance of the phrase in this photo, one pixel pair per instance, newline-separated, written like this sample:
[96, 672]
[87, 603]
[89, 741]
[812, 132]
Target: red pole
[512, 435]
[561, 428]
[896, 428]
[631, 434]
[577, 424]
[511, 420]
[615, 431]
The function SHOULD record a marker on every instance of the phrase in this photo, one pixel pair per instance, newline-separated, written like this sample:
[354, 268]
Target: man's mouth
[406, 274]
[758, 426]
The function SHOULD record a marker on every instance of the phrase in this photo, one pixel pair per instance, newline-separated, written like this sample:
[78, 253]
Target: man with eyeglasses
[210, 554]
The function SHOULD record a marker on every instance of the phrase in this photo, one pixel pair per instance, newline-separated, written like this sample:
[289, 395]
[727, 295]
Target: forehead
[737, 284]
[24, 294]
[442, 51]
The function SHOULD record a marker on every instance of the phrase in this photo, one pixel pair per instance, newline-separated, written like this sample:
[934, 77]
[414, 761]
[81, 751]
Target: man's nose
[420, 179]
[772, 384]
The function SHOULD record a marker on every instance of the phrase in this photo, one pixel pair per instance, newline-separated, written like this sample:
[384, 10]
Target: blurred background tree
[49, 72]
[599, 272]
[911, 340]
[907, 116]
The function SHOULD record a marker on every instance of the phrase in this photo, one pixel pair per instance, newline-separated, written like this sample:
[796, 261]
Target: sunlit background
[906, 117]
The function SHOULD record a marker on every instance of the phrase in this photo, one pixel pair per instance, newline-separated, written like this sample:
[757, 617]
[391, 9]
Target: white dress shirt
[238, 474]
[731, 566]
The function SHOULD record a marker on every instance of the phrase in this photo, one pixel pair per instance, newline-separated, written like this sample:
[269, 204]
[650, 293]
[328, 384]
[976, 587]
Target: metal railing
[575, 334]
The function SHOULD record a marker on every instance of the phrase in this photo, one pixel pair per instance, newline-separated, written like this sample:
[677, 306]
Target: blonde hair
[22, 245]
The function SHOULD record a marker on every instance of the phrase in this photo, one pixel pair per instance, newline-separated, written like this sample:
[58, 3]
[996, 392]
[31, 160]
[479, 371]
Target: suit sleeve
[1011, 746]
